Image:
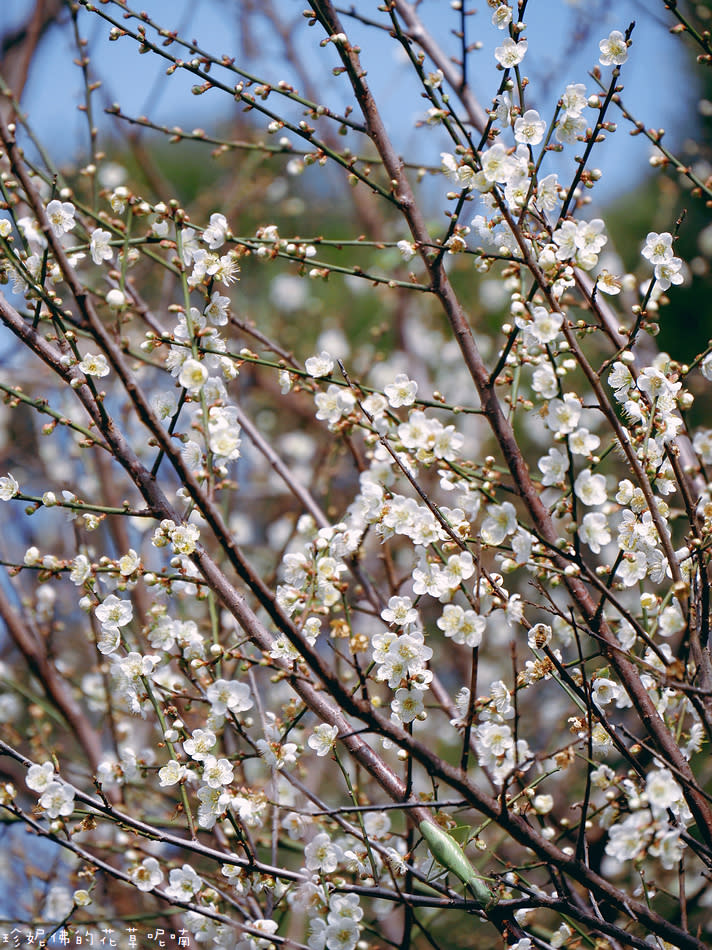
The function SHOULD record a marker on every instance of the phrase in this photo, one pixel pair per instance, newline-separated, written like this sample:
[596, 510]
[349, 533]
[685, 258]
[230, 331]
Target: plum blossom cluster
[334, 593]
[668, 268]
[206, 263]
[655, 823]
[55, 797]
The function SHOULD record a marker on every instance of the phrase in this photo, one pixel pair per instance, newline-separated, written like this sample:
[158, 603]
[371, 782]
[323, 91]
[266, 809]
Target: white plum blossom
[501, 521]
[502, 16]
[214, 235]
[400, 611]
[583, 442]
[544, 382]
[581, 241]
[129, 563]
[183, 883]
[594, 530]
[487, 571]
[501, 705]
[224, 695]
[529, 128]
[574, 99]
[658, 247]
[94, 365]
[193, 375]
[655, 384]
[321, 854]
[217, 309]
[277, 754]
[702, 444]
[521, 546]
[164, 404]
[99, 247]
[57, 800]
[320, 365]
[58, 903]
[544, 326]
[547, 193]
[553, 467]
[295, 825]
[334, 404]
[401, 392]
[146, 875]
[213, 804]
[404, 657]
[285, 381]
[462, 626]
[323, 738]
[224, 433]
[563, 414]
[627, 839]
[510, 54]
[224, 442]
[217, 772]
[504, 110]
[377, 825]
[608, 283]
[569, 127]
[8, 487]
[496, 164]
[184, 538]
[172, 773]
[614, 49]
[61, 216]
[458, 568]
[118, 199]
[225, 269]
[496, 749]
[199, 745]
[134, 666]
[669, 272]
[590, 488]
[108, 640]
[590, 236]
[407, 705]
[39, 777]
[434, 80]
[606, 691]
[620, 379]
[671, 621]
[113, 612]
[632, 568]
[407, 250]
[462, 175]
[116, 299]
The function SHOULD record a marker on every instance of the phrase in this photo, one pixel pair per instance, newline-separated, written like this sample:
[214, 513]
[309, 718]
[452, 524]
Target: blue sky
[562, 48]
